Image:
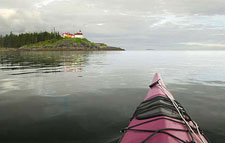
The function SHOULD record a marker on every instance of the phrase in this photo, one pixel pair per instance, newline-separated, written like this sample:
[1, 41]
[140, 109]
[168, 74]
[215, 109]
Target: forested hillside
[15, 41]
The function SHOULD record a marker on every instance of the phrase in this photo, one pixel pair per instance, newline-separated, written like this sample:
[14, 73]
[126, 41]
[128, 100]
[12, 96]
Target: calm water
[84, 97]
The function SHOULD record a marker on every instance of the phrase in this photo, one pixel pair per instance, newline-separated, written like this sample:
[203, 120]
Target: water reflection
[43, 62]
[98, 117]
[89, 96]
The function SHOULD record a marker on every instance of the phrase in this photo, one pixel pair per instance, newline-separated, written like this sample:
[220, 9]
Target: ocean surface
[88, 97]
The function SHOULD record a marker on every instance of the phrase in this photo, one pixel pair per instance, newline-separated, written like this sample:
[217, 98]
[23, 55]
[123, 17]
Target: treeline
[15, 41]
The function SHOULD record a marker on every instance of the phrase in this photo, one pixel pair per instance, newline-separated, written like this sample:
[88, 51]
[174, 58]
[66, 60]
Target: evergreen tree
[16, 41]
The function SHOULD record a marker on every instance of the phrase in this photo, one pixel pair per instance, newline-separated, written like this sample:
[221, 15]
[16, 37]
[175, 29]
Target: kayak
[161, 119]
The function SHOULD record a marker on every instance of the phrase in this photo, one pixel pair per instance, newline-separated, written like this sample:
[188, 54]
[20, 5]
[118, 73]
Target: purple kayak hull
[159, 123]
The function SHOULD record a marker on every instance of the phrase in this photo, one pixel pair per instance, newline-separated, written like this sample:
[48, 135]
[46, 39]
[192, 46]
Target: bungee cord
[184, 118]
[169, 95]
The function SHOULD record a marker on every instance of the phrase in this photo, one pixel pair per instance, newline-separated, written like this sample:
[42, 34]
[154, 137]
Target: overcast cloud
[131, 24]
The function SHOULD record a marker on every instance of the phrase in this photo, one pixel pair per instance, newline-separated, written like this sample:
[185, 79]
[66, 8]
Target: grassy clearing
[54, 42]
[68, 44]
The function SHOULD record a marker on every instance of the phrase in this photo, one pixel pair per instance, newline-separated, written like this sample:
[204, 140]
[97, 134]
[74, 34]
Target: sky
[130, 24]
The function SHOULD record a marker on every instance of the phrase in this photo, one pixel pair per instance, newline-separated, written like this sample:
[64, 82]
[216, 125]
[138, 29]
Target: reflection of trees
[74, 61]
[66, 61]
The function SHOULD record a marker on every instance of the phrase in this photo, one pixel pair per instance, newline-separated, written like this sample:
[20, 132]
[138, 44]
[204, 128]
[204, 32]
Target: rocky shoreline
[69, 49]
[70, 45]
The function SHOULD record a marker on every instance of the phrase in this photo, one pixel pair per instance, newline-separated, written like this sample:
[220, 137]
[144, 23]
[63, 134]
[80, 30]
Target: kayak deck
[156, 120]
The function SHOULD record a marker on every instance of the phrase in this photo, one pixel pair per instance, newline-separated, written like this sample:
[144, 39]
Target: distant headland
[45, 41]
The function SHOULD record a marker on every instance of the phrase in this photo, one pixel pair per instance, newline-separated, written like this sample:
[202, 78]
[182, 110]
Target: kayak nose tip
[156, 77]
[157, 74]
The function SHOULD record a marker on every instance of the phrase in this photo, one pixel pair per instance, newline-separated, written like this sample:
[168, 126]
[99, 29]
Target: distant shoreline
[66, 44]
[45, 41]
[61, 49]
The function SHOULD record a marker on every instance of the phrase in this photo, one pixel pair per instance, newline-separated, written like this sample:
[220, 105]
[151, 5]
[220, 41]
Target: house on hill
[75, 35]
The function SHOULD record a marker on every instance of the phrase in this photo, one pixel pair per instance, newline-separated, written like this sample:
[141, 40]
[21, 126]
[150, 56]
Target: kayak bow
[161, 119]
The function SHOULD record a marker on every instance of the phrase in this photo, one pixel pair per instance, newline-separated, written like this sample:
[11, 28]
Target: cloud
[44, 3]
[204, 44]
[7, 13]
[100, 24]
[132, 24]
[19, 21]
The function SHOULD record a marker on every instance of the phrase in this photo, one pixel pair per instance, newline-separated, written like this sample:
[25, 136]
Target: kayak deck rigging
[158, 106]
[161, 119]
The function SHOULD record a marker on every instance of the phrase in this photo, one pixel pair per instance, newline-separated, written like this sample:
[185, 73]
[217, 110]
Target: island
[45, 41]
[68, 44]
